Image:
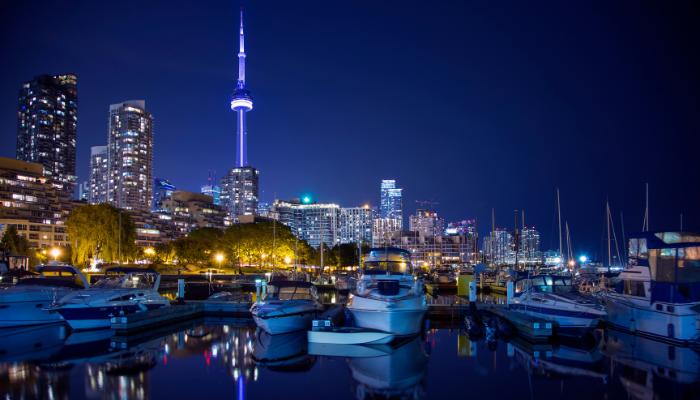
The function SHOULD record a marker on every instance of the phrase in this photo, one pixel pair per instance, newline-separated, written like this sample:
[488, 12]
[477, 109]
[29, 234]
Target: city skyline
[478, 161]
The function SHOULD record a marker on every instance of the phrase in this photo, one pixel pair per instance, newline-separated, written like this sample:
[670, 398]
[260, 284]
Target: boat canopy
[62, 275]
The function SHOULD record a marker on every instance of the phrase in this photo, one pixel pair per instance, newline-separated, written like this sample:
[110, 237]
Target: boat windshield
[547, 284]
[384, 267]
[290, 292]
[128, 281]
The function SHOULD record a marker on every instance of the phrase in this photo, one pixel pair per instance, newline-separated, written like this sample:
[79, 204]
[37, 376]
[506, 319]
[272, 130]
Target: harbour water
[230, 359]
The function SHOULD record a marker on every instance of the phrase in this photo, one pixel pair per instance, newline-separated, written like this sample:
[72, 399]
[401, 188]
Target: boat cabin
[673, 261]
[387, 261]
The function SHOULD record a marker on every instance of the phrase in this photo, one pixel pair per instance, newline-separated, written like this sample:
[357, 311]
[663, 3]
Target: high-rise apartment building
[47, 117]
[355, 224]
[314, 222]
[426, 223]
[99, 172]
[30, 202]
[239, 192]
[130, 178]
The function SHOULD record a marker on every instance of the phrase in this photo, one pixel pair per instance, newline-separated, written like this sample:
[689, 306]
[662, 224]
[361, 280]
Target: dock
[529, 327]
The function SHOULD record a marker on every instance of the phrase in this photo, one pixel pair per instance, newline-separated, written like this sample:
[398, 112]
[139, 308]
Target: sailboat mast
[607, 217]
[559, 222]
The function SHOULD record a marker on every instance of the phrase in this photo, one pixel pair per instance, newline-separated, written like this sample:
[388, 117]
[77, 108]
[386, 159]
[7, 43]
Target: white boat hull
[681, 325]
[396, 322]
[285, 324]
[27, 313]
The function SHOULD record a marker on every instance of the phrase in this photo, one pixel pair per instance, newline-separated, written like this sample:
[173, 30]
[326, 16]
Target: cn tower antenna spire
[241, 53]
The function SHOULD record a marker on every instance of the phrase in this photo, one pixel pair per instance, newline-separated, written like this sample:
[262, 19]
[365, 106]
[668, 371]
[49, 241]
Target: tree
[100, 230]
[13, 243]
[199, 246]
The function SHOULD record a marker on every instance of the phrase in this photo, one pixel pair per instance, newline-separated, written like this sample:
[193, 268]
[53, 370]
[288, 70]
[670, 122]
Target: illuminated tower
[241, 103]
[239, 188]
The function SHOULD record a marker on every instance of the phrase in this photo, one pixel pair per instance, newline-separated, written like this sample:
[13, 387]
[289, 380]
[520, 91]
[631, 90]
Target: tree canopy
[94, 231]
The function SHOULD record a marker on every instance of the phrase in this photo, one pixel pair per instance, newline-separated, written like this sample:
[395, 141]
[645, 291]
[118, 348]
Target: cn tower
[241, 102]
[239, 188]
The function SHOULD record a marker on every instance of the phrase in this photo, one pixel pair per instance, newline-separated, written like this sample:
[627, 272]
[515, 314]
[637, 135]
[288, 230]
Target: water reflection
[398, 374]
[395, 371]
[648, 369]
[286, 352]
[232, 359]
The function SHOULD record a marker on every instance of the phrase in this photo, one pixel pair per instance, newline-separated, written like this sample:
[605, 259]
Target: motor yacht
[554, 298]
[388, 296]
[658, 294]
[123, 291]
[287, 306]
[24, 303]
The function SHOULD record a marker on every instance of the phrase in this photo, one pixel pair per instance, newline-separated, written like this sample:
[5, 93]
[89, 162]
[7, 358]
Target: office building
[390, 205]
[130, 178]
[190, 210]
[47, 117]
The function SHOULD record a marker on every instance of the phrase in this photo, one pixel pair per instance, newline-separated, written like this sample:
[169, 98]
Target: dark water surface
[213, 359]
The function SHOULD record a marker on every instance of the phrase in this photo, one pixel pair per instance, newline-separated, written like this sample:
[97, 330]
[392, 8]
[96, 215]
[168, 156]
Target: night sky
[471, 105]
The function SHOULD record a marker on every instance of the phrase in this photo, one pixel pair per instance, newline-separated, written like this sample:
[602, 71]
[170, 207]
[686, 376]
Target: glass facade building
[47, 118]
[426, 223]
[390, 205]
[162, 190]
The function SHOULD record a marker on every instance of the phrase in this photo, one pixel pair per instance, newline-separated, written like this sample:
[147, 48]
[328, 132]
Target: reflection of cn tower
[241, 102]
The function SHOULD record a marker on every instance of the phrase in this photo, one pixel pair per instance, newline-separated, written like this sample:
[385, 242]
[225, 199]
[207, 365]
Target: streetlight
[219, 258]
[287, 260]
[149, 251]
[55, 252]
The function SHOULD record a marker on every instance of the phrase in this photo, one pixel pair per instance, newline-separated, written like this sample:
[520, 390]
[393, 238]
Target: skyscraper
[391, 205]
[212, 189]
[130, 184]
[47, 116]
[239, 188]
[99, 171]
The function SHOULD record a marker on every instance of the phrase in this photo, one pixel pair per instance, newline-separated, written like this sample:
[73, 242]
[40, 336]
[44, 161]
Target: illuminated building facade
[239, 188]
[162, 190]
[99, 173]
[30, 202]
[384, 230]
[355, 224]
[130, 179]
[47, 117]
[499, 247]
[426, 223]
[529, 247]
[390, 205]
[190, 210]
[316, 223]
